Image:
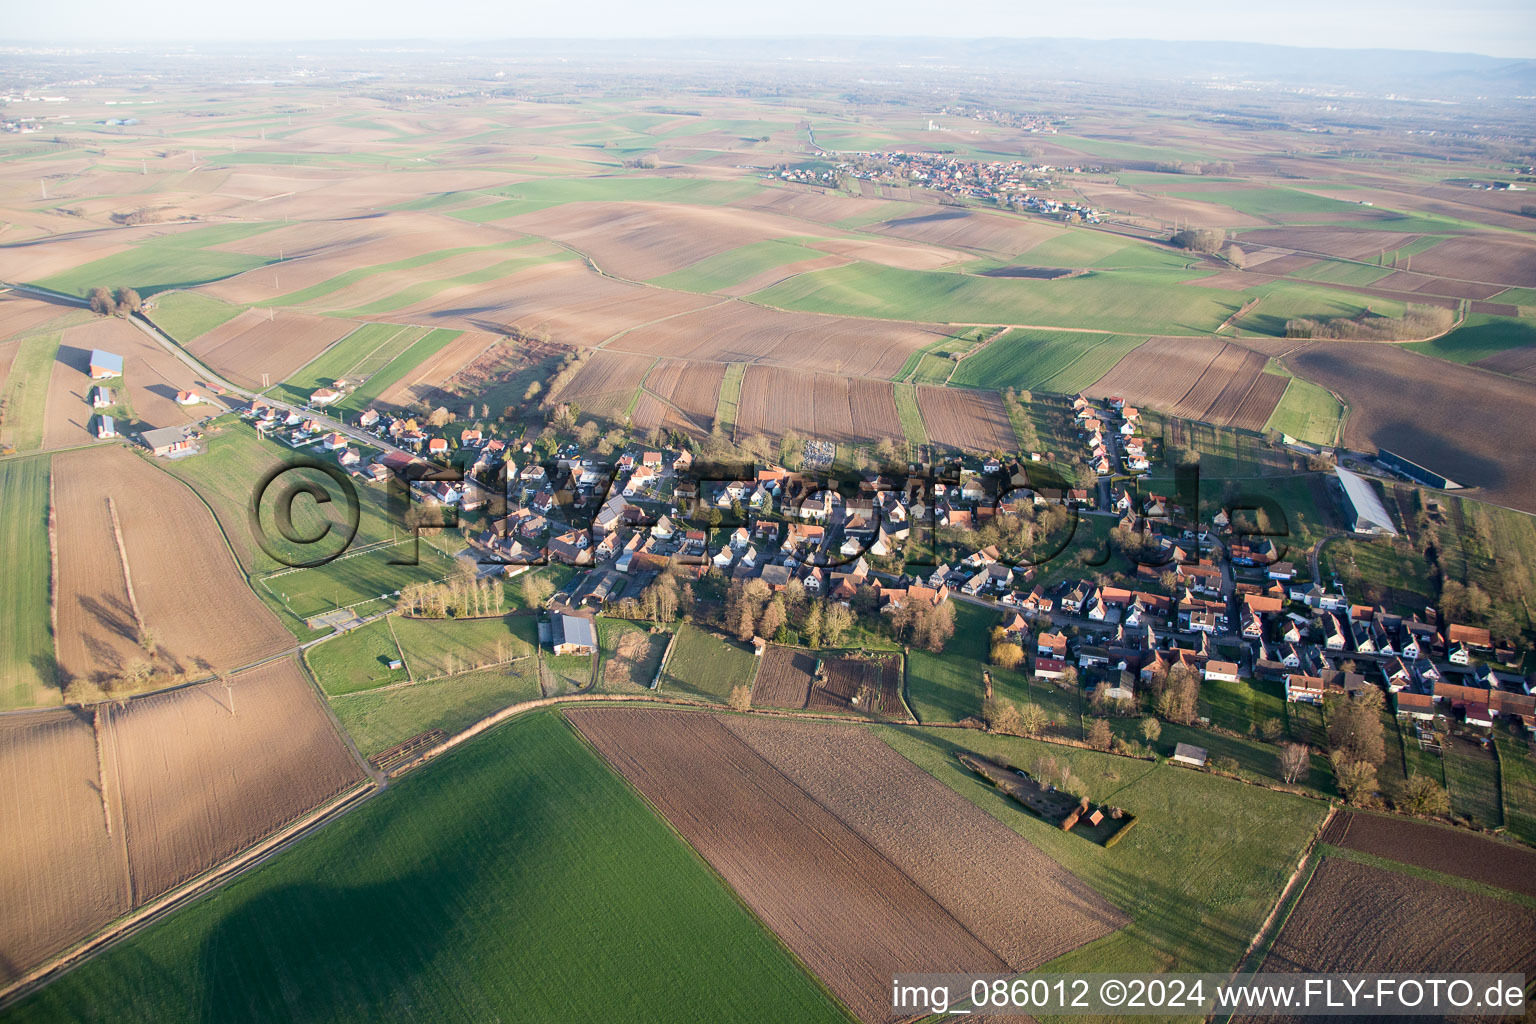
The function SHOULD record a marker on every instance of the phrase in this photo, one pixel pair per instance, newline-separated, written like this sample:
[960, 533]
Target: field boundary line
[875, 853]
[699, 858]
[399, 649]
[217, 876]
[122, 554]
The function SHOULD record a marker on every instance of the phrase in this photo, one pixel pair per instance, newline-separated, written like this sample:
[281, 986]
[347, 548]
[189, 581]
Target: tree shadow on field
[113, 614]
[294, 941]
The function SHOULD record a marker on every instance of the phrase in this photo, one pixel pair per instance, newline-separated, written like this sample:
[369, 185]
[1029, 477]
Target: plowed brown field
[740, 332]
[1492, 258]
[1196, 378]
[1418, 407]
[693, 387]
[1357, 918]
[964, 229]
[68, 417]
[1448, 850]
[105, 808]
[873, 679]
[784, 679]
[974, 420]
[998, 885]
[640, 241]
[63, 872]
[843, 889]
[1351, 244]
[275, 343]
[20, 316]
[567, 299]
[193, 598]
[827, 407]
[201, 783]
[606, 373]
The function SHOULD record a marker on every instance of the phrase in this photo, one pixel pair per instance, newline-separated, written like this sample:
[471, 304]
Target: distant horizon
[1502, 29]
[448, 43]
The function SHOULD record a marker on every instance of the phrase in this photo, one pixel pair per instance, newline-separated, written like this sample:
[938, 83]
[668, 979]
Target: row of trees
[1417, 322]
[458, 597]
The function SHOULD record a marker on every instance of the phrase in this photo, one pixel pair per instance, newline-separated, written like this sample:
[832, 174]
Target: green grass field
[728, 404]
[423, 348]
[707, 666]
[1517, 784]
[1276, 202]
[1517, 296]
[1085, 248]
[26, 391]
[1145, 301]
[609, 632]
[1308, 413]
[382, 718]
[1242, 706]
[27, 676]
[166, 262]
[189, 315]
[515, 879]
[911, 416]
[948, 687]
[1473, 782]
[1061, 361]
[1195, 894]
[1480, 337]
[226, 475]
[441, 647]
[736, 265]
[367, 579]
[369, 347]
[1287, 300]
[356, 660]
[1356, 274]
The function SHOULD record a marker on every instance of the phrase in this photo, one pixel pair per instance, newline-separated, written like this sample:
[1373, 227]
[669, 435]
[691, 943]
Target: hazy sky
[1505, 28]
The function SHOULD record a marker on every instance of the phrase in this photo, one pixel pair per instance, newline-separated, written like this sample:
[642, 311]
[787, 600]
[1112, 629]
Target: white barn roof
[1370, 514]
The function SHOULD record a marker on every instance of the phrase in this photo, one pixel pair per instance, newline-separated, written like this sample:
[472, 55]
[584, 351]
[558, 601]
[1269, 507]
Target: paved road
[146, 325]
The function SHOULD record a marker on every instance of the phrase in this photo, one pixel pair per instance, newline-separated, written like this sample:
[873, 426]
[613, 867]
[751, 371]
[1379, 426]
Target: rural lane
[209, 377]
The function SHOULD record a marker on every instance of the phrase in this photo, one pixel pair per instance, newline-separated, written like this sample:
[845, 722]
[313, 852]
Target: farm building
[101, 397]
[168, 440]
[324, 396]
[1415, 472]
[1186, 753]
[105, 364]
[572, 634]
[105, 427]
[187, 398]
[1362, 508]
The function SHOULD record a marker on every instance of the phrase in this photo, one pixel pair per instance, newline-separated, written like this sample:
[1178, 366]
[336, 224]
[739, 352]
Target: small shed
[1188, 753]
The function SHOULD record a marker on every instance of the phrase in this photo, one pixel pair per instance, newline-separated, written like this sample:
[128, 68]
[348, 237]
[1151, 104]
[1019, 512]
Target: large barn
[1362, 507]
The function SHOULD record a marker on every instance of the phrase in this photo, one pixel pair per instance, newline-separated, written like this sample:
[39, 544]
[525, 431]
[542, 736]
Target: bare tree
[1295, 762]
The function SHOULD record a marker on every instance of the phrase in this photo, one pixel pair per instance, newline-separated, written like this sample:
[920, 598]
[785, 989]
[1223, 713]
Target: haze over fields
[617, 641]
